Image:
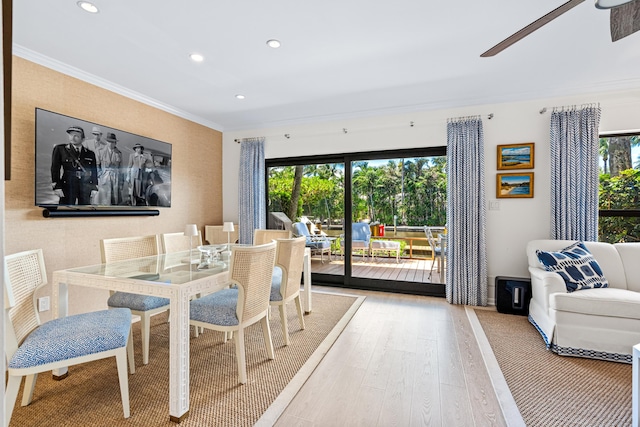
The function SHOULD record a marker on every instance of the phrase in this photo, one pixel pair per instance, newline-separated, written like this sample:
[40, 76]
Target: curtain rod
[254, 138]
[346, 130]
[571, 107]
[461, 118]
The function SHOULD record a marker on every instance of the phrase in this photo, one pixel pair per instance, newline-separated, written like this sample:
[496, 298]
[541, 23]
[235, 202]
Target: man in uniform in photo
[109, 173]
[74, 175]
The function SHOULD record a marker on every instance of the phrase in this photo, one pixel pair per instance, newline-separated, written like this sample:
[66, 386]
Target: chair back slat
[251, 269]
[262, 236]
[178, 242]
[24, 273]
[123, 248]
[289, 257]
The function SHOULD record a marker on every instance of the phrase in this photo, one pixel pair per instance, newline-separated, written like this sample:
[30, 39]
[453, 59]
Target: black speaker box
[513, 295]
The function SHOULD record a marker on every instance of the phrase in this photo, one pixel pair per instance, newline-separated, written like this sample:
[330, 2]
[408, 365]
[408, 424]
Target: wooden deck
[411, 270]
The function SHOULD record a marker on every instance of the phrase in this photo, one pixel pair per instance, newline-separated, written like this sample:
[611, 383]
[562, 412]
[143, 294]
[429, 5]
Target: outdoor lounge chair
[318, 244]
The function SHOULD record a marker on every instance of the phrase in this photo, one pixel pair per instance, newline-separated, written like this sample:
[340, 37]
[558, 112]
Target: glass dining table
[174, 276]
[177, 276]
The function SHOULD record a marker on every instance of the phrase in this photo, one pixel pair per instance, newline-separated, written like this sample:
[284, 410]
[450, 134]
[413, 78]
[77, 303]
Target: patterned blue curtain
[466, 274]
[251, 189]
[574, 144]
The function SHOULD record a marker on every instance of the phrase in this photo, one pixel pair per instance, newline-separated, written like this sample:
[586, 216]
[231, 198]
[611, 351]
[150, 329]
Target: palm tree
[295, 193]
[604, 153]
[619, 153]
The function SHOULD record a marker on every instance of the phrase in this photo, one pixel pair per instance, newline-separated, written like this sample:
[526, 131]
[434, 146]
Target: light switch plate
[494, 205]
[44, 304]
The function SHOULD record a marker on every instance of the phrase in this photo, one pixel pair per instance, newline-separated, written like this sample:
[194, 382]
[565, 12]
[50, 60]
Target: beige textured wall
[70, 242]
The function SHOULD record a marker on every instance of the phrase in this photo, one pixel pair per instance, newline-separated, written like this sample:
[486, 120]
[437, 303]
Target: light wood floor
[403, 360]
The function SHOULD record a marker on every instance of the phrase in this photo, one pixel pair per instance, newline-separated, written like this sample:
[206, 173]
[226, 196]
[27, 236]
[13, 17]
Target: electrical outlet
[43, 304]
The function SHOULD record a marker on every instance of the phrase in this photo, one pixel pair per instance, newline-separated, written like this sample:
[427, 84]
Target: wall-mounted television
[80, 163]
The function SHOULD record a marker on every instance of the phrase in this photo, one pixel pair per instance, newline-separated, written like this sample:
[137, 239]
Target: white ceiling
[339, 58]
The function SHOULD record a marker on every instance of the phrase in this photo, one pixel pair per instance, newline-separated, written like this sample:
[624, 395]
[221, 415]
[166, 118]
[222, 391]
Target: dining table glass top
[174, 268]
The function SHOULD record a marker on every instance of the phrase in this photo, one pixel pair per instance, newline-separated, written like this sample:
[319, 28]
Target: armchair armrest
[543, 284]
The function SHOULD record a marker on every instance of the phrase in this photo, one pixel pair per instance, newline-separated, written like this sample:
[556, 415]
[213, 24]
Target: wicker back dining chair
[178, 242]
[32, 347]
[285, 282]
[214, 235]
[145, 306]
[262, 236]
[233, 309]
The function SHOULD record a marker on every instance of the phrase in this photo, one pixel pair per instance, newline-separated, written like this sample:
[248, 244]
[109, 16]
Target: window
[619, 193]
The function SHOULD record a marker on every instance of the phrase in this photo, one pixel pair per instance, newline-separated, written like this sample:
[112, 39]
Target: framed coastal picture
[514, 185]
[516, 156]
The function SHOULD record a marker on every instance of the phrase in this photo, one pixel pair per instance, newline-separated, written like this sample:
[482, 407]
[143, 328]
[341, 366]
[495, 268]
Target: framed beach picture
[514, 185]
[515, 156]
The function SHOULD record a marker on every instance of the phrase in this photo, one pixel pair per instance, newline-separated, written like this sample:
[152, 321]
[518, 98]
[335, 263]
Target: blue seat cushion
[136, 302]
[73, 336]
[276, 281]
[218, 308]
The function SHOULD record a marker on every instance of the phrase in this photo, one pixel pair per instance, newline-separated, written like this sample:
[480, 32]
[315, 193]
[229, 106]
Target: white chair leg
[145, 326]
[298, 302]
[268, 342]
[130, 354]
[29, 386]
[285, 326]
[123, 377]
[11, 395]
[240, 356]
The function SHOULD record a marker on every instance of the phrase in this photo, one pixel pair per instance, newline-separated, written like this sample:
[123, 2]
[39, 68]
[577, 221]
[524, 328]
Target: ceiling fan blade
[625, 20]
[532, 27]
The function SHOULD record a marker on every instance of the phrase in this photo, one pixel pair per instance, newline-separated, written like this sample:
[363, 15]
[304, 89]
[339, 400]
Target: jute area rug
[551, 390]
[90, 395]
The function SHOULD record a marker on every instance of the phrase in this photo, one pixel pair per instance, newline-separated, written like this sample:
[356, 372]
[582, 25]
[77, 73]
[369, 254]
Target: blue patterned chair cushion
[73, 336]
[136, 302]
[577, 267]
[218, 308]
[276, 280]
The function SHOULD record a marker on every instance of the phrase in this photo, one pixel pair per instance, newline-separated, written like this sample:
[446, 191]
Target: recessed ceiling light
[196, 57]
[89, 7]
[273, 43]
[239, 96]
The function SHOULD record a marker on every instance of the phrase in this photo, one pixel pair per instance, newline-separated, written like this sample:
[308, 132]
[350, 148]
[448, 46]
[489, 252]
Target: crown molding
[63, 68]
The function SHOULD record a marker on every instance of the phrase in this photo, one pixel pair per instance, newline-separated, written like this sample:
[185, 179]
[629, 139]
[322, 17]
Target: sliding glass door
[374, 210]
[310, 198]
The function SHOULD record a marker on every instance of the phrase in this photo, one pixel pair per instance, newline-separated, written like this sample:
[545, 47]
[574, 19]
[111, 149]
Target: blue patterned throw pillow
[576, 265]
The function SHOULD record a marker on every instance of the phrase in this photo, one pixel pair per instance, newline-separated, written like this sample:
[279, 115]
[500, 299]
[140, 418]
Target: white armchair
[599, 323]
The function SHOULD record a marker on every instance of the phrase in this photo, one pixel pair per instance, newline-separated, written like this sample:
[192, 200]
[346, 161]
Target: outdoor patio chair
[33, 348]
[360, 238]
[318, 244]
[436, 249]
